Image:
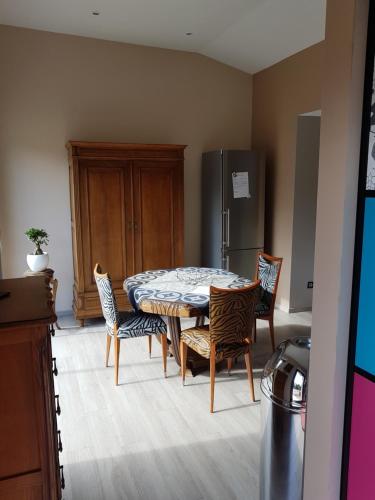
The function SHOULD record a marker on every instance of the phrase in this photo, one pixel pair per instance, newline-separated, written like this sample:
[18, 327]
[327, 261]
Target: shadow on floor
[217, 469]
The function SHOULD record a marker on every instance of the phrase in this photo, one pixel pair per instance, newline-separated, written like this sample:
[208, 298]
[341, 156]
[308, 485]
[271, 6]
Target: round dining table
[178, 293]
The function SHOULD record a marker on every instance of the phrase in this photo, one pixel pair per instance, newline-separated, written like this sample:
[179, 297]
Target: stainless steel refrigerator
[233, 183]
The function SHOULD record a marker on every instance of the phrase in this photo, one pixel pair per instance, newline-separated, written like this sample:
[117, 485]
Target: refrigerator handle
[228, 228]
[225, 263]
[226, 214]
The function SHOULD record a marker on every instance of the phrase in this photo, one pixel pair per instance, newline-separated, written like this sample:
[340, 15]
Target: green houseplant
[37, 261]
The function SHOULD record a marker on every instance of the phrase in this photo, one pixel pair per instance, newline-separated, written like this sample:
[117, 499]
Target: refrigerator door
[243, 199]
[212, 200]
[241, 262]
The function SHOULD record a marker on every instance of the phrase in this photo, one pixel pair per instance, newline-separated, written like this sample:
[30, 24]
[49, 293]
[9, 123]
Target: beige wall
[280, 94]
[342, 91]
[59, 87]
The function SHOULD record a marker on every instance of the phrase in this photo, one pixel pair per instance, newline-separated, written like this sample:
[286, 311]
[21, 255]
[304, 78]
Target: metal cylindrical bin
[283, 413]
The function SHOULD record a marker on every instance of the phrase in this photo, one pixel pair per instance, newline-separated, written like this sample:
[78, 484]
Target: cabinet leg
[81, 323]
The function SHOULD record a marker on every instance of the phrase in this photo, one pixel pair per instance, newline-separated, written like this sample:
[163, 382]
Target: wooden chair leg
[117, 358]
[149, 345]
[249, 368]
[183, 355]
[272, 333]
[229, 364]
[255, 330]
[109, 339]
[164, 348]
[212, 375]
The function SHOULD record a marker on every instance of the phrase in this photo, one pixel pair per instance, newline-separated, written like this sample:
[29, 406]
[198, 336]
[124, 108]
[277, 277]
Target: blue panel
[365, 350]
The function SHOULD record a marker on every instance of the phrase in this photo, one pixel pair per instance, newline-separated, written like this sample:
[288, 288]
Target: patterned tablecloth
[167, 285]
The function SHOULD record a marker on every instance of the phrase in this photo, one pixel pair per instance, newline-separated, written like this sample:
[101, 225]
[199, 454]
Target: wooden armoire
[127, 213]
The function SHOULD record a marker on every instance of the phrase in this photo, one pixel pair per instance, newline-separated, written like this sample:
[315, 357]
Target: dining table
[182, 292]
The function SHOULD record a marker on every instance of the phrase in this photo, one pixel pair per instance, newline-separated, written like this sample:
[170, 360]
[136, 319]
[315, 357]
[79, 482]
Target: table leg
[174, 328]
[195, 363]
[200, 320]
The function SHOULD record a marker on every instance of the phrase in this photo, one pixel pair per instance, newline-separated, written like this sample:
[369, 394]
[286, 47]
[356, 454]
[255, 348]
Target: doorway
[304, 211]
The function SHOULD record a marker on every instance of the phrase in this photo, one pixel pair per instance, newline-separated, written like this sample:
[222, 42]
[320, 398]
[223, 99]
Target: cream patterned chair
[268, 272]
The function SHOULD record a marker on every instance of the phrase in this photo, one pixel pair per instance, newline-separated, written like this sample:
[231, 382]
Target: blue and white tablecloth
[164, 284]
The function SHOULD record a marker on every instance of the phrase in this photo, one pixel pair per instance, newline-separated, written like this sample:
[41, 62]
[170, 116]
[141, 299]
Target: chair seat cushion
[139, 324]
[198, 338]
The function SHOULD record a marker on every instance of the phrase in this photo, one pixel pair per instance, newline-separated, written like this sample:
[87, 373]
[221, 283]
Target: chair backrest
[107, 297]
[232, 313]
[268, 272]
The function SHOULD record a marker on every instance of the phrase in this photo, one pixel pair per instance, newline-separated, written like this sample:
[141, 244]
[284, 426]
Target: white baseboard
[290, 310]
[299, 309]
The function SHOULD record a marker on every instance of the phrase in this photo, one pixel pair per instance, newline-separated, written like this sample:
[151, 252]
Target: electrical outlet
[310, 284]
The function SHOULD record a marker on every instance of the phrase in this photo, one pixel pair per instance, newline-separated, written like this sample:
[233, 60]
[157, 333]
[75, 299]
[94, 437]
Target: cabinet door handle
[62, 479]
[55, 371]
[51, 330]
[59, 442]
[58, 409]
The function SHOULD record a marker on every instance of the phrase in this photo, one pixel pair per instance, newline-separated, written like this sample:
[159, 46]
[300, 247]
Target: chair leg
[255, 330]
[272, 333]
[109, 339]
[183, 355]
[229, 364]
[117, 357]
[249, 368]
[164, 348]
[212, 375]
[149, 345]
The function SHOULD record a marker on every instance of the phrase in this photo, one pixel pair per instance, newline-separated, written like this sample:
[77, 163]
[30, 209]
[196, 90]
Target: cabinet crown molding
[113, 150]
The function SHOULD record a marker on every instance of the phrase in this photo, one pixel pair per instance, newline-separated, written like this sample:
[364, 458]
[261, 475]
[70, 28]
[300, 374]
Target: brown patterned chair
[268, 272]
[229, 333]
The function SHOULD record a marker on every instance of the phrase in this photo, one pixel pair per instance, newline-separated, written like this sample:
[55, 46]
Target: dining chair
[268, 272]
[126, 325]
[229, 333]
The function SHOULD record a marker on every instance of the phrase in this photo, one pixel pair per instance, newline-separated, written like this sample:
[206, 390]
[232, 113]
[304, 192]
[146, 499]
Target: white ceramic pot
[38, 262]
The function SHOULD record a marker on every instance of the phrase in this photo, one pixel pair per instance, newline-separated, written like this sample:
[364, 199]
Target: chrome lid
[284, 379]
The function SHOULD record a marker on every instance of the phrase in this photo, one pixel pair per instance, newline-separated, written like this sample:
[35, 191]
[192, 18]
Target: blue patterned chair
[126, 325]
[268, 272]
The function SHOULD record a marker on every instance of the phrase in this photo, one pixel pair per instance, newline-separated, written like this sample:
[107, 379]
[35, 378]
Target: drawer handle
[55, 371]
[62, 479]
[58, 409]
[59, 442]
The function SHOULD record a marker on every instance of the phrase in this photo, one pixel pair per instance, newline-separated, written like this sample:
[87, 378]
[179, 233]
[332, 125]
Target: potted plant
[37, 261]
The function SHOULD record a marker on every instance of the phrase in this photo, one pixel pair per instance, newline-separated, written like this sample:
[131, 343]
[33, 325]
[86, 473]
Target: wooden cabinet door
[27, 464]
[158, 214]
[106, 234]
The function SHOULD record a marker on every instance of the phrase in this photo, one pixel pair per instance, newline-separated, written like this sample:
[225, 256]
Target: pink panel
[361, 480]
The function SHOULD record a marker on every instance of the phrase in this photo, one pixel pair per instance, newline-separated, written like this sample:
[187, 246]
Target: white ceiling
[247, 34]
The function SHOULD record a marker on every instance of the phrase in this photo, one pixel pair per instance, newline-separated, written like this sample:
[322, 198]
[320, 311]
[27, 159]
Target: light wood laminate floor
[150, 438]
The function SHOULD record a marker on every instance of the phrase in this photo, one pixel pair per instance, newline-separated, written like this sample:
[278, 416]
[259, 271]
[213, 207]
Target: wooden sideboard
[126, 213]
[29, 439]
